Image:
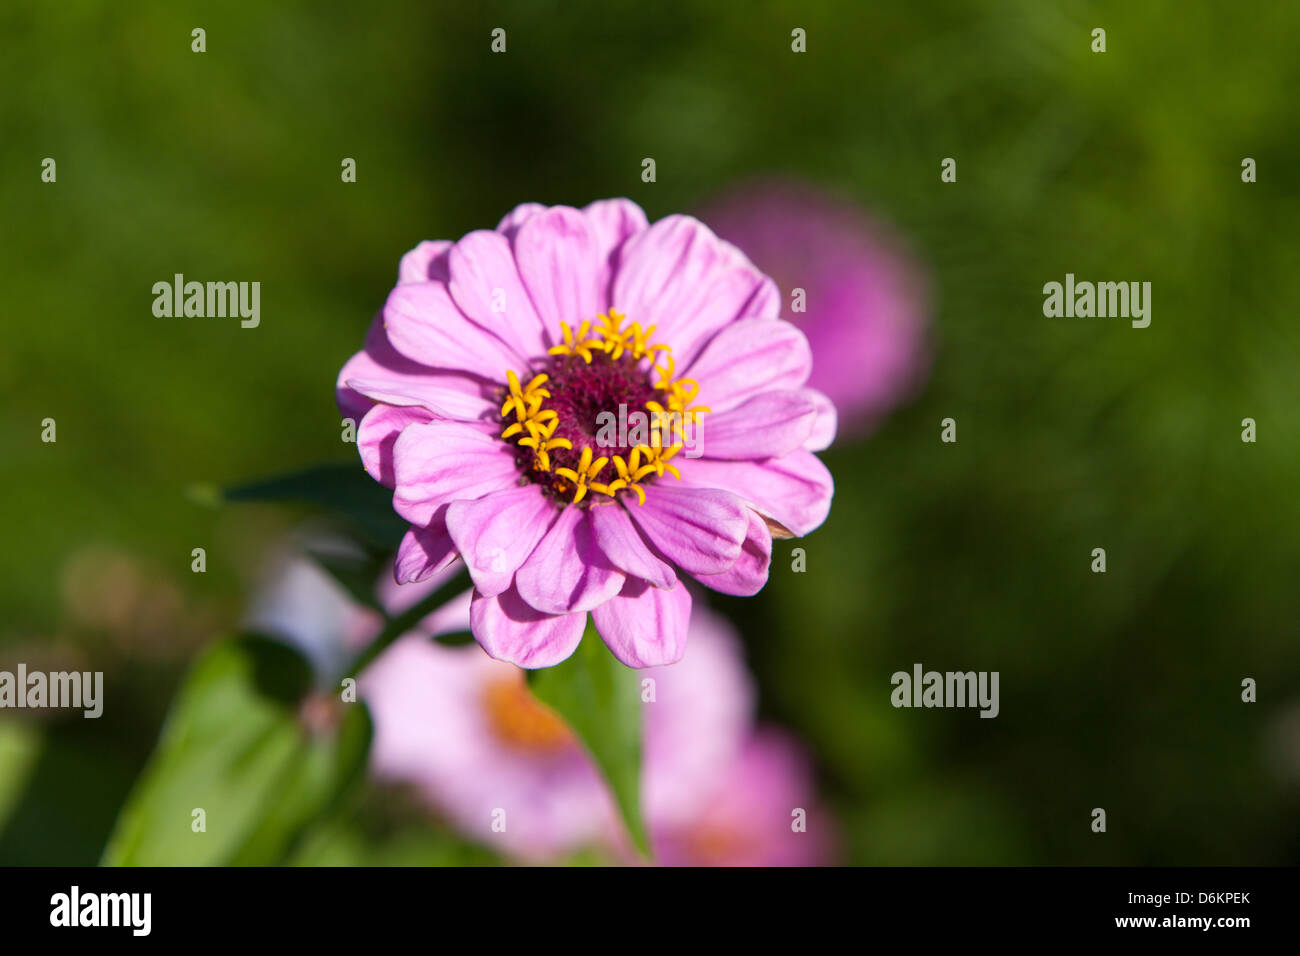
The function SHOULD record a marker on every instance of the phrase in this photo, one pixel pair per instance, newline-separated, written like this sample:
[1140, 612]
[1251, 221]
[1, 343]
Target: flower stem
[404, 622]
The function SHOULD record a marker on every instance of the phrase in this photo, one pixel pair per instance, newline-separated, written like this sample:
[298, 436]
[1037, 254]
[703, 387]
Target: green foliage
[234, 746]
[600, 699]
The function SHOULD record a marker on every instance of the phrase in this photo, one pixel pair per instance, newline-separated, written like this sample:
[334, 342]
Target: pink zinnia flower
[483, 385]
[865, 304]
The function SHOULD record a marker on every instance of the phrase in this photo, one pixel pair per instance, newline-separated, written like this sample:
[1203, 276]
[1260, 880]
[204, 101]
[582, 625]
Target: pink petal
[567, 571]
[748, 575]
[768, 424]
[615, 221]
[700, 529]
[826, 425]
[424, 324]
[680, 277]
[626, 549]
[423, 552]
[497, 533]
[486, 284]
[459, 398]
[440, 462]
[794, 489]
[509, 630]
[563, 266]
[377, 361]
[645, 626]
[765, 303]
[426, 262]
[749, 357]
[516, 217]
[377, 434]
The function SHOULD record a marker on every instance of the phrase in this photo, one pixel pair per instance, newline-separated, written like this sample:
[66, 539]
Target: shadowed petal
[626, 549]
[645, 626]
[424, 324]
[424, 552]
[679, 276]
[827, 423]
[769, 424]
[563, 266]
[516, 217]
[748, 575]
[699, 529]
[795, 489]
[427, 262]
[567, 571]
[377, 434]
[487, 286]
[440, 462]
[749, 357]
[509, 630]
[497, 533]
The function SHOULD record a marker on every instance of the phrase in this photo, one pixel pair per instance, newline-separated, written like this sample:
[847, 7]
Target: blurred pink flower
[466, 731]
[866, 312]
[481, 385]
[718, 791]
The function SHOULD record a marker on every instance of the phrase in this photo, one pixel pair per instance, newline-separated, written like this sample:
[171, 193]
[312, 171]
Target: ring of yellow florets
[550, 418]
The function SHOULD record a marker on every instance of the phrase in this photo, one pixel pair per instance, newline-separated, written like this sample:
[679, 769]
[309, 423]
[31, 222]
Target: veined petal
[567, 571]
[795, 489]
[645, 626]
[426, 262]
[487, 286]
[509, 630]
[677, 275]
[749, 357]
[615, 221]
[497, 533]
[563, 266]
[458, 398]
[626, 549]
[768, 424]
[827, 424]
[699, 529]
[377, 434]
[440, 462]
[748, 575]
[377, 361]
[424, 324]
[423, 553]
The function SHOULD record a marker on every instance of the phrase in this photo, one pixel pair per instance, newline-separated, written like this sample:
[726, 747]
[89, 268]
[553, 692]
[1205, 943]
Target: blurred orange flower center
[520, 720]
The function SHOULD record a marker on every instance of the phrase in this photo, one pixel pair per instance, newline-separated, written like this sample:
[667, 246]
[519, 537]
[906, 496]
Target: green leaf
[234, 746]
[600, 698]
[343, 490]
[20, 747]
[357, 572]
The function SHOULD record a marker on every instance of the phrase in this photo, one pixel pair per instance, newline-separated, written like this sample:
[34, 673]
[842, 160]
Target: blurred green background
[1119, 690]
